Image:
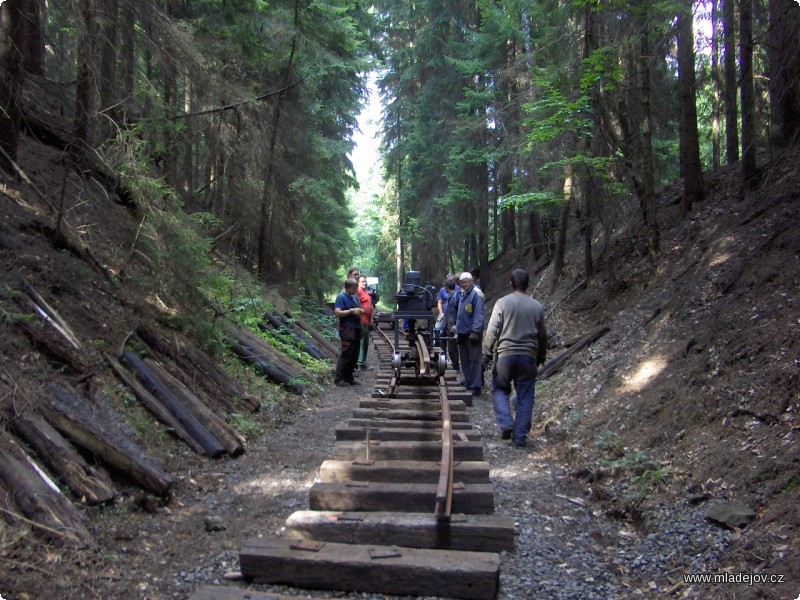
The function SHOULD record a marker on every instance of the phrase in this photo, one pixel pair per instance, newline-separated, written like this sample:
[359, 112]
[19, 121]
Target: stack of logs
[48, 433]
[292, 330]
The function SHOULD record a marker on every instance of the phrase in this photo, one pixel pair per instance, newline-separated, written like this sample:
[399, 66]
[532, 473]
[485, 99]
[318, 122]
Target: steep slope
[694, 392]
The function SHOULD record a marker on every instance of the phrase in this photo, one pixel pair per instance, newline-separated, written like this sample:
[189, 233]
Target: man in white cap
[469, 329]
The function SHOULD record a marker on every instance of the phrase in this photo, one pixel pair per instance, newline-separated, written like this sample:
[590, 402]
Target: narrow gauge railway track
[404, 506]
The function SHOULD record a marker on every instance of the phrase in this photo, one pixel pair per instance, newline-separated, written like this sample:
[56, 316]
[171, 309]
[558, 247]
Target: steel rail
[423, 357]
[395, 378]
[444, 490]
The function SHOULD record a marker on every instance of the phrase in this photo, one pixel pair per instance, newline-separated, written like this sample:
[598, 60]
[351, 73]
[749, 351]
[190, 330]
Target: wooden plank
[401, 471]
[217, 592]
[421, 415]
[478, 533]
[404, 392]
[472, 499]
[410, 423]
[430, 404]
[455, 392]
[405, 450]
[399, 434]
[373, 569]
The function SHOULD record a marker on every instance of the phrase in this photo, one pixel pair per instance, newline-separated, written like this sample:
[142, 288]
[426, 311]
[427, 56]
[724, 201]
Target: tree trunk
[84, 105]
[561, 235]
[648, 179]
[268, 368]
[536, 233]
[95, 427]
[88, 484]
[214, 424]
[301, 338]
[34, 37]
[330, 349]
[729, 58]
[108, 20]
[749, 141]
[584, 190]
[556, 364]
[266, 214]
[783, 50]
[263, 348]
[126, 53]
[212, 447]
[51, 513]
[691, 168]
[715, 87]
[153, 405]
[186, 174]
[204, 370]
[12, 44]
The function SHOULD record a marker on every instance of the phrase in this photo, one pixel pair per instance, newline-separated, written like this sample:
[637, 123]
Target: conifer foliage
[503, 122]
[508, 119]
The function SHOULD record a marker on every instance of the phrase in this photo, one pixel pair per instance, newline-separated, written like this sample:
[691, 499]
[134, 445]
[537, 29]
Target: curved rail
[444, 488]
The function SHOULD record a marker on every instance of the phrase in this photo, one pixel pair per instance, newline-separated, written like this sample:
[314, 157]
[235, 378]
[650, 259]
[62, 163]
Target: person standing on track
[469, 328]
[348, 309]
[366, 323]
[516, 342]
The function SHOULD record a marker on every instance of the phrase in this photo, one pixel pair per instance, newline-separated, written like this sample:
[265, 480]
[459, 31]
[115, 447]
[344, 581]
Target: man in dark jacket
[469, 328]
[348, 309]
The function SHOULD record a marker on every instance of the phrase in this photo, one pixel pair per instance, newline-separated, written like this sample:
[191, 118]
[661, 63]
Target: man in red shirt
[366, 323]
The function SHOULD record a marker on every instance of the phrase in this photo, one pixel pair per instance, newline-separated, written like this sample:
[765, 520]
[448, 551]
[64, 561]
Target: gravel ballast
[566, 546]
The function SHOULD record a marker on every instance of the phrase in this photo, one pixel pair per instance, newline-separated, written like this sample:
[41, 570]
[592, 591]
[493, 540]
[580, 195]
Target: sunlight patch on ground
[720, 258]
[273, 485]
[647, 371]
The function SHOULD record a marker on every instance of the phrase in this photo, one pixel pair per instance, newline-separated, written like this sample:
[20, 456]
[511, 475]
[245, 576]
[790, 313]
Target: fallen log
[261, 346]
[53, 347]
[90, 485]
[153, 405]
[37, 497]
[93, 425]
[219, 405]
[556, 364]
[210, 444]
[278, 334]
[219, 429]
[327, 345]
[304, 341]
[49, 314]
[204, 371]
[268, 368]
[181, 367]
[203, 362]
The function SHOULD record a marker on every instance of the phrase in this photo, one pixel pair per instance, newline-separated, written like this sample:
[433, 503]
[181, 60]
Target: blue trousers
[521, 371]
[471, 363]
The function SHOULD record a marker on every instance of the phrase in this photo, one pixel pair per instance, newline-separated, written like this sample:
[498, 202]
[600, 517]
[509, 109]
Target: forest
[179, 199]
[502, 120]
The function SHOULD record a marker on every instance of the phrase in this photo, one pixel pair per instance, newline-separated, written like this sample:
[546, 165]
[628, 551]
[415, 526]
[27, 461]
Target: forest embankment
[692, 393]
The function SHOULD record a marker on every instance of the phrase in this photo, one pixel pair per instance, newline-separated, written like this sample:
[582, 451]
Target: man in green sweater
[516, 341]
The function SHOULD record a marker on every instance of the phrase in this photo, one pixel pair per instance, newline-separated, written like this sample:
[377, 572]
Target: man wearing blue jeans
[516, 340]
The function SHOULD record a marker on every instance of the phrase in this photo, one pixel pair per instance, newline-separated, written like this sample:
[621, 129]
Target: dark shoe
[506, 435]
[341, 383]
[365, 368]
[355, 383]
[476, 393]
[520, 443]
